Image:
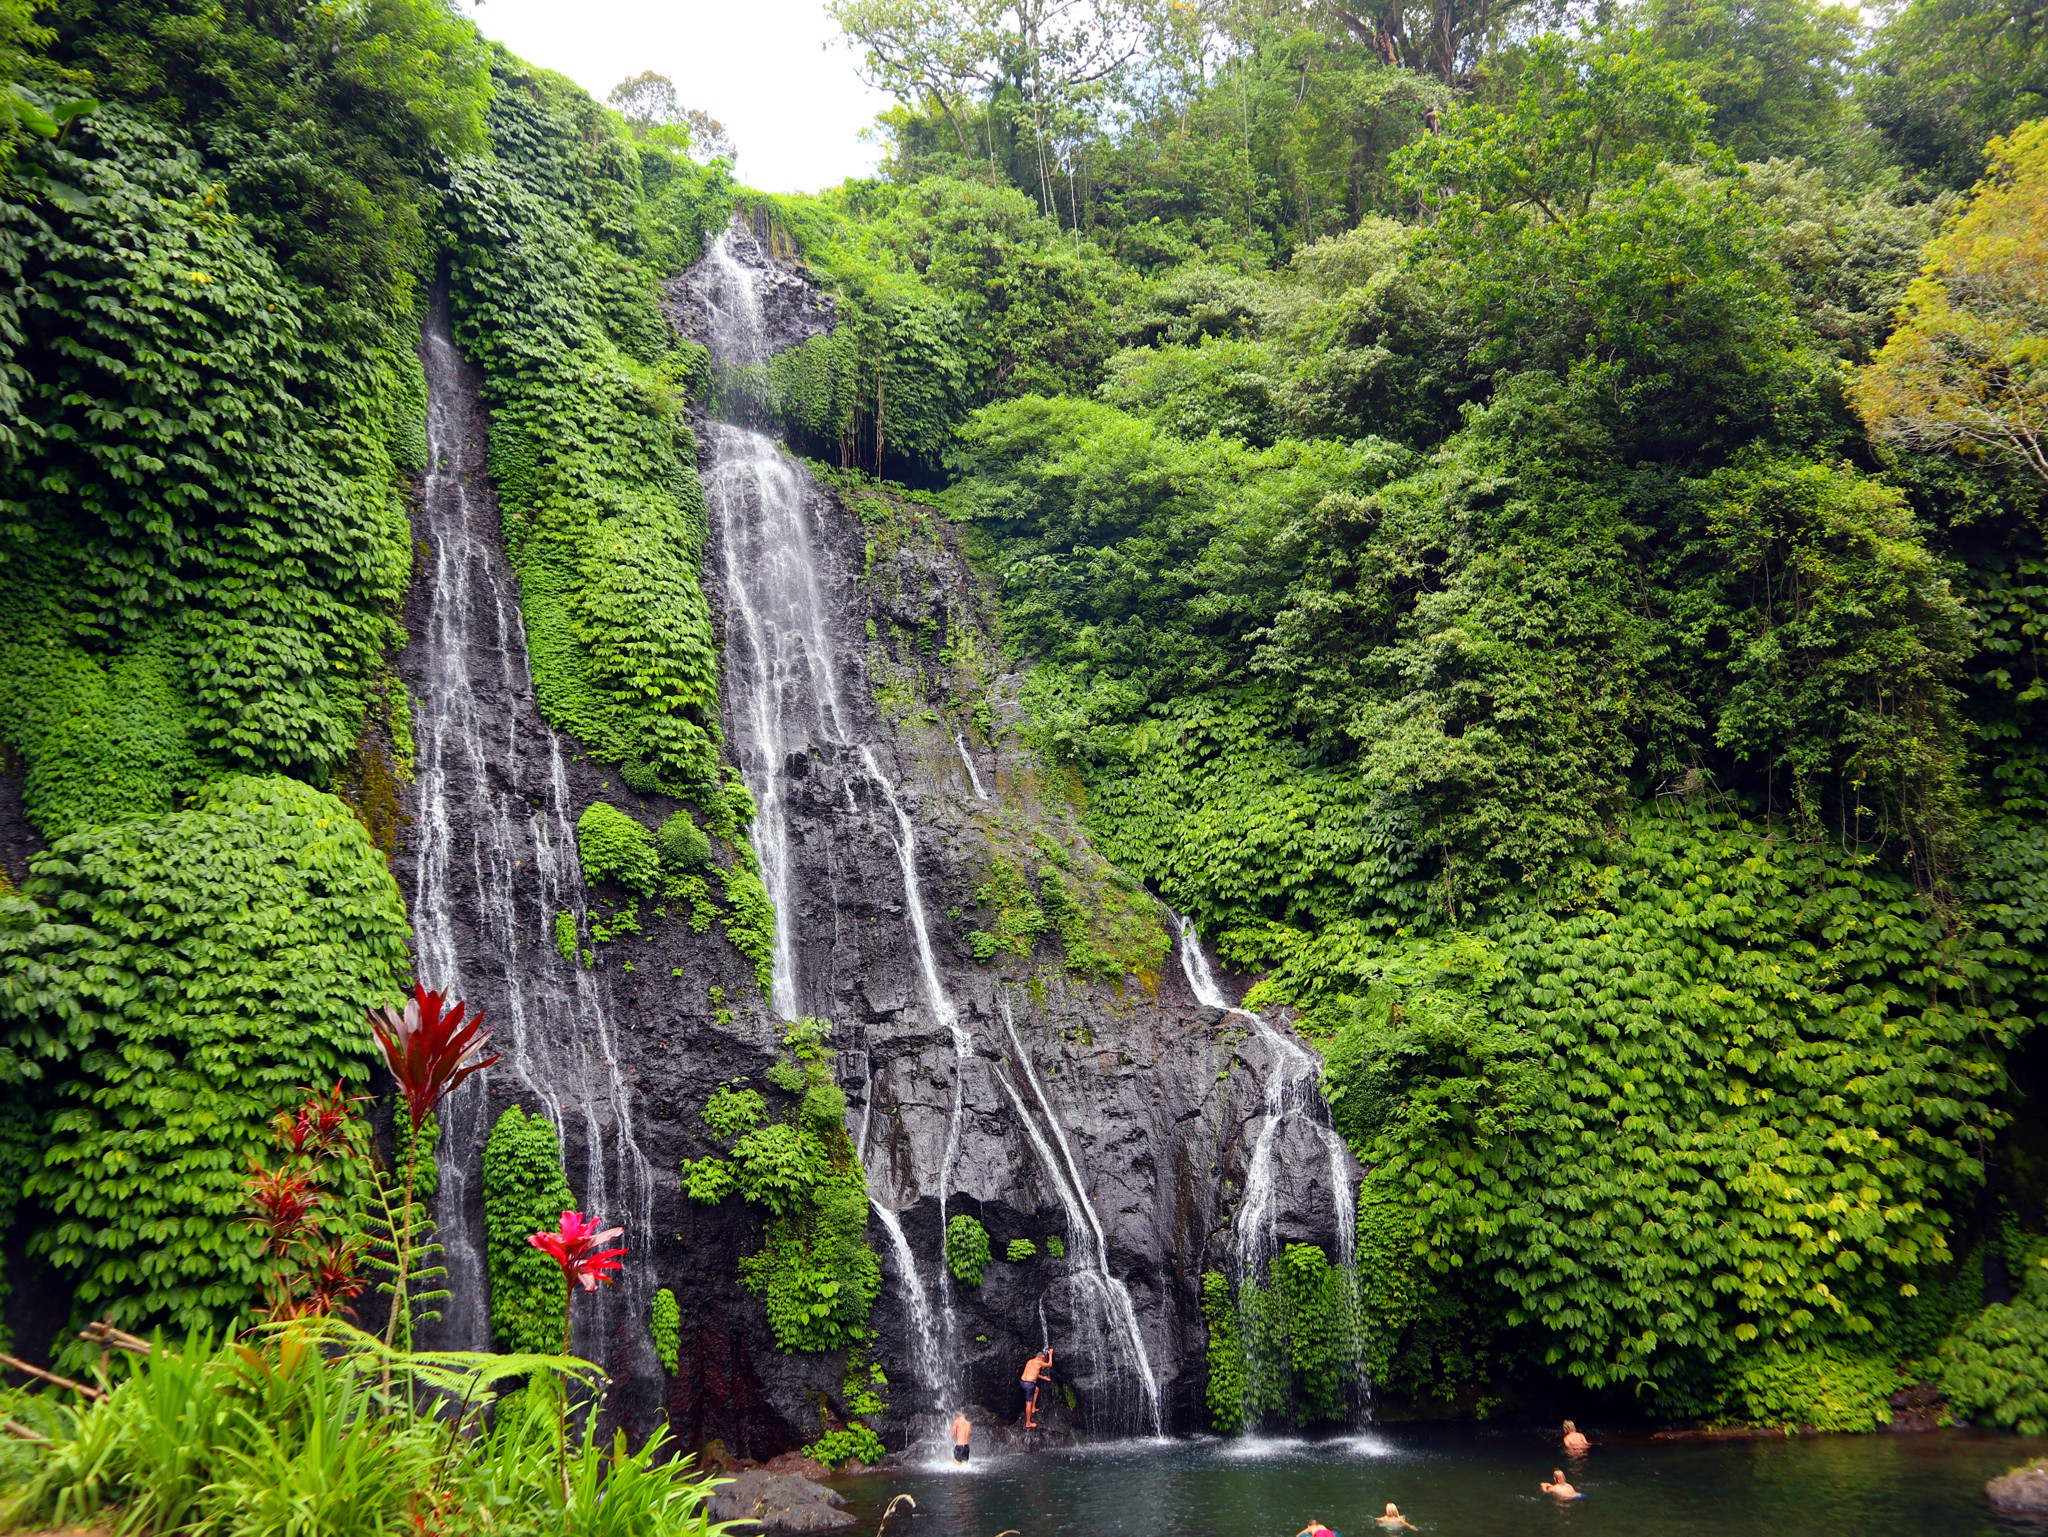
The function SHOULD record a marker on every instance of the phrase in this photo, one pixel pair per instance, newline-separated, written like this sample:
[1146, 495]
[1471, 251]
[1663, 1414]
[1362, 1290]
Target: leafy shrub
[1994, 1370]
[856, 1443]
[612, 846]
[1020, 1250]
[814, 1271]
[1056, 1247]
[684, 846]
[1827, 1388]
[1226, 1386]
[665, 1322]
[166, 985]
[967, 1250]
[525, 1192]
[565, 935]
[731, 1111]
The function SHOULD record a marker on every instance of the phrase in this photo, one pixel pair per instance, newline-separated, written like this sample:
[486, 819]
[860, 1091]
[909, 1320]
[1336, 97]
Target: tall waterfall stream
[785, 684]
[490, 868]
[1292, 1097]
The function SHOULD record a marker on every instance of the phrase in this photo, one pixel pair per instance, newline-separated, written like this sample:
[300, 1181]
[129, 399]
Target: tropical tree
[1967, 367]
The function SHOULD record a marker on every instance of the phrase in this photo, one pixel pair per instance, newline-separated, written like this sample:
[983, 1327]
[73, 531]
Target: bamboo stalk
[100, 1332]
[16, 1428]
[79, 1388]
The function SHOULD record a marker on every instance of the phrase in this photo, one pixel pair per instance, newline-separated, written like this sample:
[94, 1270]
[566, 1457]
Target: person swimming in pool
[1561, 1490]
[1034, 1368]
[1575, 1444]
[1394, 1521]
[1315, 1528]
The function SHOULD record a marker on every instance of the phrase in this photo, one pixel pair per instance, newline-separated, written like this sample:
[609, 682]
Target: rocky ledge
[2022, 1492]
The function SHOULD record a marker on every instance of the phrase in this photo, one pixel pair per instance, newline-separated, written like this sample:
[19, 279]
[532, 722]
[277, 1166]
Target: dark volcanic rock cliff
[1047, 1093]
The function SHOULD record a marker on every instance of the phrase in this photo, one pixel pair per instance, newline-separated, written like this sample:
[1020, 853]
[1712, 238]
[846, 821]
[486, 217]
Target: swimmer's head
[1391, 1510]
[1570, 1428]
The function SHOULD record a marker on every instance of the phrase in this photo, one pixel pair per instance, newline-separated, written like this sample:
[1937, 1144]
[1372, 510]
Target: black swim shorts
[959, 1454]
[1030, 1390]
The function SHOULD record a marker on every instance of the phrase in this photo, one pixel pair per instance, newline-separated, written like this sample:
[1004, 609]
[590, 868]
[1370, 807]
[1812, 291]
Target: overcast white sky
[775, 72]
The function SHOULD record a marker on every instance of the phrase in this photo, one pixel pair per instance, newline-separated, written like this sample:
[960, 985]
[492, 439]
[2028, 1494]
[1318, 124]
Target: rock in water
[779, 1502]
[2022, 1492]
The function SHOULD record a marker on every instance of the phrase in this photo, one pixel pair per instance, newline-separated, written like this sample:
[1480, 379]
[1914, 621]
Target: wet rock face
[1151, 1090]
[1130, 1088]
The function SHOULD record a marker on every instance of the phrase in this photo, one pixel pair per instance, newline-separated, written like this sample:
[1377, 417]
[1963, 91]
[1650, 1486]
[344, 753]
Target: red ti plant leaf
[319, 1128]
[425, 1048]
[285, 1201]
[574, 1246]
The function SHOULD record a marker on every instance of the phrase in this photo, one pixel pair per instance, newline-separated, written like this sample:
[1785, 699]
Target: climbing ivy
[525, 1192]
[1225, 1389]
[665, 1322]
[814, 1270]
[167, 984]
[1730, 1096]
[612, 846]
[967, 1249]
[590, 453]
[751, 923]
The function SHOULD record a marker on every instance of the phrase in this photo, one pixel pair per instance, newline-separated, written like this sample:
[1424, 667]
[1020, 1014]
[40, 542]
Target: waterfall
[1111, 1311]
[490, 869]
[785, 697]
[973, 773]
[1291, 1097]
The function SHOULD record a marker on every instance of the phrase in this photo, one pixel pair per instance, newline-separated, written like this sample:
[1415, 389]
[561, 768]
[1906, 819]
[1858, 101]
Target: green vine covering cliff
[558, 241]
[1482, 530]
[212, 254]
[525, 1192]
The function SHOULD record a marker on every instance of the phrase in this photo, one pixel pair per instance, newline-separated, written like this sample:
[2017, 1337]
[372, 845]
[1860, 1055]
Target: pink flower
[575, 1248]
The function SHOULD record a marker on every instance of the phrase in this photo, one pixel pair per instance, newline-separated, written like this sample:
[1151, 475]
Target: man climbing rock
[1034, 1368]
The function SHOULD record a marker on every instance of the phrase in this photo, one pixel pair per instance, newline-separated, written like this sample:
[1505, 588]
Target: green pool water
[1453, 1480]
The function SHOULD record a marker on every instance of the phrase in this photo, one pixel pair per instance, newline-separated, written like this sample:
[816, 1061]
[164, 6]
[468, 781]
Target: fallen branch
[901, 1499]
[102, 1333]
[16, 1428]
[79, 1388]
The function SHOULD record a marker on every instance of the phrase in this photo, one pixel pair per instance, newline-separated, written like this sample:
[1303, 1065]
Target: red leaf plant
[574, 1246]
[424, 1047]
[428, 1049]
[285, 1200]
[311, 1273]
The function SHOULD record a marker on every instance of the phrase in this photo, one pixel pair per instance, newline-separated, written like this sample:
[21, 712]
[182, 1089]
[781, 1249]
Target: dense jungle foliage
[1531, 535]
[220, 228]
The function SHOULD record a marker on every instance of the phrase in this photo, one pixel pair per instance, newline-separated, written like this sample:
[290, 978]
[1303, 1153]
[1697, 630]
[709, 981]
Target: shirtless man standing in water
[1575, 1443]
[1038, 1364]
